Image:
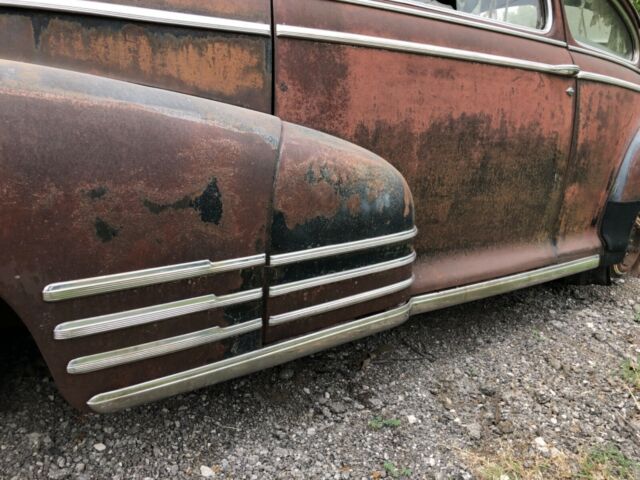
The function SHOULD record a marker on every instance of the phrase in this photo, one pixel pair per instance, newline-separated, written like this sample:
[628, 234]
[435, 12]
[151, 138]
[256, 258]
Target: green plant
[608, 463]
[396, 472]
[378, 423]
[631, 372]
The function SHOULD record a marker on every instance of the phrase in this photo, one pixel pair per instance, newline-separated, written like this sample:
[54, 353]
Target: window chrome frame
[547, 5]
[604, 54]
[462, 18]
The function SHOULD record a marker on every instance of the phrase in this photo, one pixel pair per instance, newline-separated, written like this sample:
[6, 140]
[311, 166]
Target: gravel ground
[527, 385]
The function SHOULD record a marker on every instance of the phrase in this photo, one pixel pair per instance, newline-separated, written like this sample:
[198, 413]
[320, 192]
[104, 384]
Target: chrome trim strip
[286, 288]
[462, 18]
[477, 291]
[100, 361]
[279, 353]
[354, 39]
[339, 303]
[247, 363]
[596, 77]
[140, 14]
[155, 313]
[605, 56]
[339, 248]
[142, 278]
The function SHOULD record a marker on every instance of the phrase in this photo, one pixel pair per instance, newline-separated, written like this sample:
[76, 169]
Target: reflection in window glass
[598, 24]
[525, 13]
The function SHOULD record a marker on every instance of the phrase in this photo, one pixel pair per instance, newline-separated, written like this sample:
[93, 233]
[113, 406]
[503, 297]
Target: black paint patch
[209, 204]
[104, 231]
[157, 208]
[97, 193]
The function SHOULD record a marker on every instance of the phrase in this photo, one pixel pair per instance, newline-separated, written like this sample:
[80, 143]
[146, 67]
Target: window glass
[525, 13]
[598, 24]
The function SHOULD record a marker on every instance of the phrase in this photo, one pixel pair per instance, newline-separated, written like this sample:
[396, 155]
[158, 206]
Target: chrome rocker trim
[141, 14]
[56, 292]
[339, 303]
[100, 361]
[247, 363]
[314, 342]
[490, 288]
[141, 316]
[358, 40]
[339, 248]
[291, 287]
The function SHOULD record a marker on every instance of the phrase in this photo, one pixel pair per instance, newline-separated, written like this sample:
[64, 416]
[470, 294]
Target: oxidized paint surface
[103, 177]
[231, 67]
[483, 148]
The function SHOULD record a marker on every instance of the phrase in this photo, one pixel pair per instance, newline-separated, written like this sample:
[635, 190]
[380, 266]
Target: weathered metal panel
[483, 148]
[102, 177]
[226, 66]
[330, 192]
[607, 122]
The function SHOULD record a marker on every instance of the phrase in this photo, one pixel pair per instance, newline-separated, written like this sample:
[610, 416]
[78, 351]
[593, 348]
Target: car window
[598, 24]
[525, 13]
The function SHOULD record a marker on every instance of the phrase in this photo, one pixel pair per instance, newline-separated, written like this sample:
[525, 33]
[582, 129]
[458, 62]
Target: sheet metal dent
[288, 31]
[142, 14]
[320, 340]
[121, 281]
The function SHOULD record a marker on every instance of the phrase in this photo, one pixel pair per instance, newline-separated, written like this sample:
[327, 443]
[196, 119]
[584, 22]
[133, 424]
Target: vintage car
[193, 190]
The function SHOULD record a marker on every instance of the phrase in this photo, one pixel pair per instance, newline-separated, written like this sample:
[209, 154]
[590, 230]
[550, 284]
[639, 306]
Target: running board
[283, 352]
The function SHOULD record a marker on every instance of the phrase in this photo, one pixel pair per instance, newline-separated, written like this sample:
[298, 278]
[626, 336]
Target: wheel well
[9, 318]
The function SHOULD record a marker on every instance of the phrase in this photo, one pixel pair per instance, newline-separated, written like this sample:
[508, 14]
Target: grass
[378, 423]
[608, 463]
[631, 372]
[601, 463]
[396, 472]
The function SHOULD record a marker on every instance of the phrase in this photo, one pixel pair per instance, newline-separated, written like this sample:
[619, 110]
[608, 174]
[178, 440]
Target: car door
[603, 40]
[472, 103]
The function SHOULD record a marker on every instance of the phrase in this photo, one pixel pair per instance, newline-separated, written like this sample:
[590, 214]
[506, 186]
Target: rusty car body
[195, 190]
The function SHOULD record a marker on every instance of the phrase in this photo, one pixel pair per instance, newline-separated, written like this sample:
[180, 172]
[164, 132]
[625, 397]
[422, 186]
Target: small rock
[311, 431]
[101, 447]
[286, 374]
[475, 431]
[79, 468]
[505, 427]
[412, 419]
[206, 472]
[337, 407]
[487, 390]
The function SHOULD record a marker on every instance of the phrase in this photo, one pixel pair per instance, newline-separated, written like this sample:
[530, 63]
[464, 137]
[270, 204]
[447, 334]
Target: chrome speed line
[155, 313]
[339, 303]
[596, 77]
[142, 278]
[339, 248]
[286, 288]
[100, 361]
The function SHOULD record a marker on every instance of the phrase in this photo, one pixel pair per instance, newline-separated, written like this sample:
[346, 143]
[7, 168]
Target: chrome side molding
[358, 40]
[596, 77]
[141, 316]
[279, 353]
[247, 363]
[430, 10]
[100, 361]
[339, 248]
[291, 287]
[141, 14]
[141, 278]
[339, 303]
[477, 291]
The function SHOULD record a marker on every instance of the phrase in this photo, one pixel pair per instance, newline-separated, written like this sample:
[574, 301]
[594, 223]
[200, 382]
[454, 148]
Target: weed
[378, 423]
[396, 472]
[631, 372]
[608, 463]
